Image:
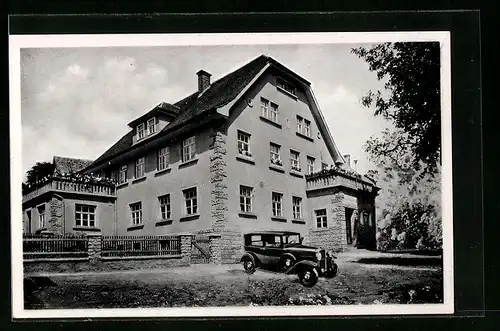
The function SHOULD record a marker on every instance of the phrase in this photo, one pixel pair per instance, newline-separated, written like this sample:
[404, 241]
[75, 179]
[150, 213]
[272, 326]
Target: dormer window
[145, 129]
[151, 126]
[140, 131]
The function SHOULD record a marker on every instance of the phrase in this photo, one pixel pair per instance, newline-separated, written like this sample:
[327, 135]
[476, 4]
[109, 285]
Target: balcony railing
[332, 178]
[63, 185]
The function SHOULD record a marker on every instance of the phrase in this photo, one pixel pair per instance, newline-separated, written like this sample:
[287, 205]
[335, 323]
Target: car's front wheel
[308, 277]
[249, 265]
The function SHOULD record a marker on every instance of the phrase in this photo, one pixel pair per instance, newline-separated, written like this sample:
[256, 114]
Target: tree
[410, 100]
[409, 203]
[39, 171]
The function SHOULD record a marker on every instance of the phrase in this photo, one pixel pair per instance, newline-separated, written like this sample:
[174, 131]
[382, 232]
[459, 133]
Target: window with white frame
[295, 160]
[139, 167]
[303, 126]
[297, 208]
[122, 174]
[41, 216]
[141, 133]
[246, 193]
[85, 215]
[283, 84]
[275, 153]
[264, 107]
[164, 202]
[188, 149]
[310, 164]
[136, 213]
[321, 220]
[151, 126]
[269, 110]
[191, 199]
[244, 143]
[274, 116]
[163, 158]
[277, 204]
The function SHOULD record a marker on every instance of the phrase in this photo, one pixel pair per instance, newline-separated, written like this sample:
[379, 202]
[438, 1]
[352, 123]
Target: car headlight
[318, 255]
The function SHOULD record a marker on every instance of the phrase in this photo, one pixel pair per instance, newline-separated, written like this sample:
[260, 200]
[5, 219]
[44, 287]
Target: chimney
[203, 80]
[347, 158]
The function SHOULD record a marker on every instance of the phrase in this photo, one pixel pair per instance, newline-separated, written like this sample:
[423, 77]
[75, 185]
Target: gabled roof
[220, 92]
[66, 165]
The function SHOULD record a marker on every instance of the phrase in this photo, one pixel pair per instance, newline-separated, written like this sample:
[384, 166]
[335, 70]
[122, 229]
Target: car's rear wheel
[248, 265]
[308, 277]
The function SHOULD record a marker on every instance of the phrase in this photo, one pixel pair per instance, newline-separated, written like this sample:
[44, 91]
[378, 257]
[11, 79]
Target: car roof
[272, 232]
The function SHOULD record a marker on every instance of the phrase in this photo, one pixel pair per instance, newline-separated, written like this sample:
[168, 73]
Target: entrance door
[348, 224]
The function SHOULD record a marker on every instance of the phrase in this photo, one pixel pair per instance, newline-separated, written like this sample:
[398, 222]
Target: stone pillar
[95, 247]
[215, 248]
[186, 239]
[218, 180]
[55, 216]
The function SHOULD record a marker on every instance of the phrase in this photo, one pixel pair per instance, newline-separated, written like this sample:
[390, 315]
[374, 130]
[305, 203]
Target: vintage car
[282, 251]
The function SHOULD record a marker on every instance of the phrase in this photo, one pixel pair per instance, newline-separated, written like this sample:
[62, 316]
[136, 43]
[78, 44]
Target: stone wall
[218, 180]
[231, 246]
[55, 216]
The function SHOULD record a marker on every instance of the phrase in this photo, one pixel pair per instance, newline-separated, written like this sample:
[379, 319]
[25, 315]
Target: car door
[273, 246]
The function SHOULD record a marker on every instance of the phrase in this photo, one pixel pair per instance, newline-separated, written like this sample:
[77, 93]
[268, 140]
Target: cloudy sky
[76, 102]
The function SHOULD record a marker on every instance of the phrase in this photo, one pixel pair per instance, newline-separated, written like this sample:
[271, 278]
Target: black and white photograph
[231, 174]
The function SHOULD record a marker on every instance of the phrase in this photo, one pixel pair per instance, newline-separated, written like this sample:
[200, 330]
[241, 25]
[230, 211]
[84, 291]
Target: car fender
[290, 255]
[254, 258]
[301, 264]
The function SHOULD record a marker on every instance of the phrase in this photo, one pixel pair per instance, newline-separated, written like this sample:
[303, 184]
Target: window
[85, 215]
[246, 198]
[41, 216]
[275, 153]
[151, 126]
[303, 126]
[283, 84]
[163, 155]
[321, 218]
[191, 201]
[274, 113]
[136, 210]
[244, 143]
[264, 107]
[269, 110]
[272, 241]
[164, 206]
[122, 175]
[295, 160]
[324, 166]
[188, 149]
[310, 165]
[297, 208]
[139, 167]
[277, 202]
[140, 131]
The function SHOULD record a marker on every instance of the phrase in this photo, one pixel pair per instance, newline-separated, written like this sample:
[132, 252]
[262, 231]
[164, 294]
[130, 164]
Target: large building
[249, 151]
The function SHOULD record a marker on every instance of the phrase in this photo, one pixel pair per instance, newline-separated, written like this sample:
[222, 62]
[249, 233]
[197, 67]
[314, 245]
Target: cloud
[81, 111]
[351, 124]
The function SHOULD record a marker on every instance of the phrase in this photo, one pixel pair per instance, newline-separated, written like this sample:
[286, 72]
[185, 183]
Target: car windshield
[292, 239]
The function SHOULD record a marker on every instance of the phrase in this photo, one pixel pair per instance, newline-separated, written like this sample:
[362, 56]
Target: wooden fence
[54, 247]
[129, 246]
